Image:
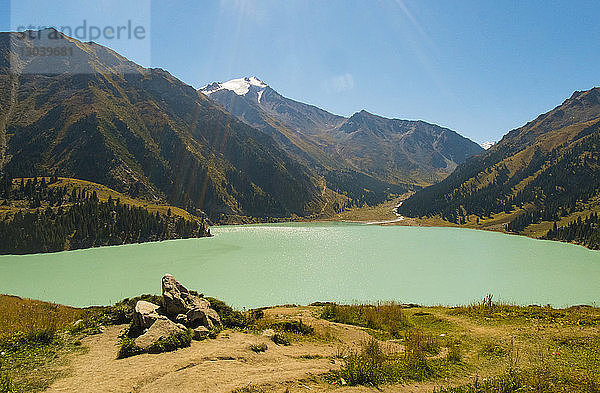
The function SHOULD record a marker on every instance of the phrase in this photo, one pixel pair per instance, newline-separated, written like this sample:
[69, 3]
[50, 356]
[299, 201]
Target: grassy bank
[498, 347]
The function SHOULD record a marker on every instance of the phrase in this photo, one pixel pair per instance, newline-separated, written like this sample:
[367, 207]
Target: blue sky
[478, 67]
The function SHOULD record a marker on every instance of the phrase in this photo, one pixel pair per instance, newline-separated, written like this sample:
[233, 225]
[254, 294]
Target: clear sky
[478, 67]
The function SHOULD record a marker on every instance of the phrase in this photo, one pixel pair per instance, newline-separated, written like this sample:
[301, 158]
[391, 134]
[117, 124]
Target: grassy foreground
[478, 348]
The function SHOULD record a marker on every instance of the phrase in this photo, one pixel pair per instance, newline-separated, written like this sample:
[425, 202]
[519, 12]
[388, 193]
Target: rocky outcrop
[177, 300]
[162, 328]
[180, 310]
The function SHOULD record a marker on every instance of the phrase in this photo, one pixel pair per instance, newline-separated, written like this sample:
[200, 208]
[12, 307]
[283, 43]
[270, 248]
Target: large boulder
[203, 317]
[161, 328]
[144, 315]
[178, 300]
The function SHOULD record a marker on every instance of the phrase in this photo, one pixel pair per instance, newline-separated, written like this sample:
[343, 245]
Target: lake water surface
[259, 265]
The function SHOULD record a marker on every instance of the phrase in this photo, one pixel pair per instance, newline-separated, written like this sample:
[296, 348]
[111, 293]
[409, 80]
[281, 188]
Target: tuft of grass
[491, 350]
[387, 317]
[373, 366]
[128, 348]
[262, 347]
[174, 341]
[231, 318]
[454, 354]
[296, 327]
[281, 339]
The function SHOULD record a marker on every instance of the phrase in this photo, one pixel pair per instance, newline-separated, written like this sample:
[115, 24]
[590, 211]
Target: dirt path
[219, 365]
[223, 364]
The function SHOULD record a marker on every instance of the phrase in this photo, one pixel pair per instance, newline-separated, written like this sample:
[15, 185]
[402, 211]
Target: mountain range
[95, 115]
[393, 151]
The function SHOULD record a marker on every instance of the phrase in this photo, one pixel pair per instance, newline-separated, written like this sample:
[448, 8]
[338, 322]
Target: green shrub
[262, 347]
[387, 317]
[229, 317]
[214, 332]
[174, 341]
[293, 327]
[128, 348]
[372, 366]
[281, 339]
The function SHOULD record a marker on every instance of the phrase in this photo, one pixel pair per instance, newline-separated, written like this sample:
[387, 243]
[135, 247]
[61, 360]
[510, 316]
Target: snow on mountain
[487, 145]
[239, 86]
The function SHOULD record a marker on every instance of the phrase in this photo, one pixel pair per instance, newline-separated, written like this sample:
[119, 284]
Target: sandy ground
[220, 365]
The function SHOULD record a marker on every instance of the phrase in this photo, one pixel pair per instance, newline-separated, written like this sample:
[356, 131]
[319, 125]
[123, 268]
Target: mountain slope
[393, 151]
[549, 169]
[99, 117]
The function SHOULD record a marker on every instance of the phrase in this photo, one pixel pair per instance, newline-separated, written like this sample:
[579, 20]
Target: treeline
[581, 231]
[562, 180]
[85, 222]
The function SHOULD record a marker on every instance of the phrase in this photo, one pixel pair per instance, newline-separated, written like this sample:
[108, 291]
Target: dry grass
[30, 316]
[388, 317]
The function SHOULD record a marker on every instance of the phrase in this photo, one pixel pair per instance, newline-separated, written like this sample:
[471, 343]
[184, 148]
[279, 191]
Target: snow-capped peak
[487, 145]
[239, 86]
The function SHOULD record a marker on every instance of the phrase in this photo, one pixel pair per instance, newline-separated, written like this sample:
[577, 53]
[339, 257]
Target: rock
[182, 319]
[162, 327]
[201, 333]
[178, 300]
[203, 317]
[144, 315]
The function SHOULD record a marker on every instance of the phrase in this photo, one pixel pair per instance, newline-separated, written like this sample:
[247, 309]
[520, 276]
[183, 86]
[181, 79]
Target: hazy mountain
[392, 151]
[95, 115]
[549, 168]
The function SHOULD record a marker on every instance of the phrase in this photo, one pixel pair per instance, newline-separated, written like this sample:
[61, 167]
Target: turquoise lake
[259, 265]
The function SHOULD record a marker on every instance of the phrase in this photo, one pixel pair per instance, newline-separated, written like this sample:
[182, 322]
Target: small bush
[281, 339]
[128, 348]
[372, 366]
[293, 327]
[387, 317]
[489, 350]
[454, 354]
[230, 318]
[214, 332]
[262, 347]
[174, 341]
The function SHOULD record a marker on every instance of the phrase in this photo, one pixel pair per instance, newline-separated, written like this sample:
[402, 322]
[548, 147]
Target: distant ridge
[396, 152]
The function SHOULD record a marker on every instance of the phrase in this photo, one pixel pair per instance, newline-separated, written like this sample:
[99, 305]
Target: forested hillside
[37, 216]
[545, 171]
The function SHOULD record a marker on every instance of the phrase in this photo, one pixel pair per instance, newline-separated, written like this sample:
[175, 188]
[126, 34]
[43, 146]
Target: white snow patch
[487, 145]
[240, 86]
